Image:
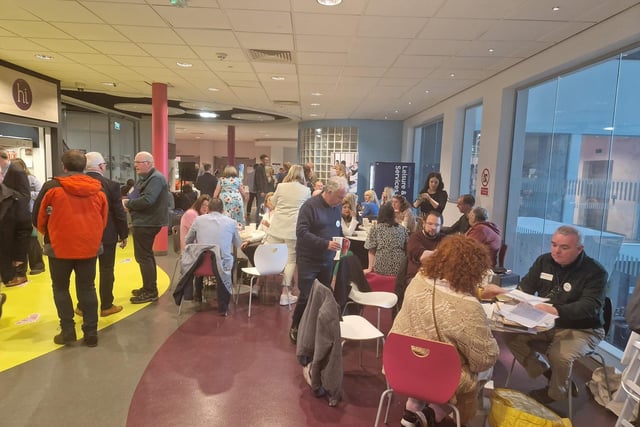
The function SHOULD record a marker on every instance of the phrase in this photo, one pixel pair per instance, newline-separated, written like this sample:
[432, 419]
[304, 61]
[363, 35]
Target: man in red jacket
[71, 212]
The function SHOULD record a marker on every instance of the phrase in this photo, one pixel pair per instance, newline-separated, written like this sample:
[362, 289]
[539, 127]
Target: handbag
[632, 313]
[511, 408]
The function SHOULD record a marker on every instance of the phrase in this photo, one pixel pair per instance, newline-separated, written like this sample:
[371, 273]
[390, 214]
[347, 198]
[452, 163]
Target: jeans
[106, 264]
[143, 251]
[85, 271]
[306, 276]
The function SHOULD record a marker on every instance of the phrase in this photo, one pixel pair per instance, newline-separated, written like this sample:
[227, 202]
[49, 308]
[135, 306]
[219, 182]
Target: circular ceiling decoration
[254, 117]
[145, 108]
[205, 106]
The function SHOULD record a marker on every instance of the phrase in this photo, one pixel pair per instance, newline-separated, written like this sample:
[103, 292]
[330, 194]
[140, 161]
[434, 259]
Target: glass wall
[112, 136]
[429, 143]
[470, 149]
[575, 161]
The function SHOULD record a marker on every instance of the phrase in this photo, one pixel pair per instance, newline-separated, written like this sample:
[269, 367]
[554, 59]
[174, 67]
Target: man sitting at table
[215, 228]
[485, 232]
[575, 285]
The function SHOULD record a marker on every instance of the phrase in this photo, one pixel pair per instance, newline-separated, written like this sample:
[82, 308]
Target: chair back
[422, 369]
[270, 258]
[205, 268]
[607, 312]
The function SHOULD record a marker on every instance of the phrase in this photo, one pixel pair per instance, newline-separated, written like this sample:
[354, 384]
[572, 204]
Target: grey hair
[567, 230]
[480, 213]
[146, 156]
[336, 183]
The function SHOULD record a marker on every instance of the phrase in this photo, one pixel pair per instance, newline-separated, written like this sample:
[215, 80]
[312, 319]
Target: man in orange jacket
[71, 212]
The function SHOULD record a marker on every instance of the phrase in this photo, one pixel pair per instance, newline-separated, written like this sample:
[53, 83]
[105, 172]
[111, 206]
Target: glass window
[575, 161]
[429, 141]
[470, 150]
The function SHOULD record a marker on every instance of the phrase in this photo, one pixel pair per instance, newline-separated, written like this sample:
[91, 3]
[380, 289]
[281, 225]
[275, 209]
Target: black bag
[632, 314]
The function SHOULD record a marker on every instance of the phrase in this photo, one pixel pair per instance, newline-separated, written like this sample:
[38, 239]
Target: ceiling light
[329, 2]
[427, 91]
[208, 115]
[608, 128]
[316, 94]
[555, 8]
[213, 89]
[178, 3]
[491, 50]
[409, 102]
[314, 104]
[277, 78]
[452, 75]
[44, 57]
[112, 84]
[184, 64]
[313, 115]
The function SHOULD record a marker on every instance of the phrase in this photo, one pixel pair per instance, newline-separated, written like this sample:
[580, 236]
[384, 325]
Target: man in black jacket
[575, 286]
[116, 231]
[206, 182]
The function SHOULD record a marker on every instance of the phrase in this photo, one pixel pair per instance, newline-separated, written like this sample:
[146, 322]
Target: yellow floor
[29, 319]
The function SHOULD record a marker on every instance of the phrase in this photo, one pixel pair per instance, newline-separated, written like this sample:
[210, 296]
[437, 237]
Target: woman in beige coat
[453, 272]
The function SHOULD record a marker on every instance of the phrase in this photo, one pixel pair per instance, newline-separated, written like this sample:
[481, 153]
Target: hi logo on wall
[22, 95]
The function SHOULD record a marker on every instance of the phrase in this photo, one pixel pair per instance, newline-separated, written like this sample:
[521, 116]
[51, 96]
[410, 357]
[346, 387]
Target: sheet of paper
[525, 297]
[526, 315]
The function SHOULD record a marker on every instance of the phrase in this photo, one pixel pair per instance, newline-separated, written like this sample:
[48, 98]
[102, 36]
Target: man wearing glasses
[149, 213]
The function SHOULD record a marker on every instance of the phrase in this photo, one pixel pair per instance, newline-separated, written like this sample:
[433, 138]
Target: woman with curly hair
[441, 304]
[403, 213]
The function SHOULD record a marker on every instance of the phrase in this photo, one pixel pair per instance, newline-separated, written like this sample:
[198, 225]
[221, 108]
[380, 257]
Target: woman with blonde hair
[387, 195]
[289, 196]
[229, 191]
[441, 304]
[370, 206]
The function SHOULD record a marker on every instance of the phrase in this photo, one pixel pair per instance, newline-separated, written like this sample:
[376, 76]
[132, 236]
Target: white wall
[497, 95]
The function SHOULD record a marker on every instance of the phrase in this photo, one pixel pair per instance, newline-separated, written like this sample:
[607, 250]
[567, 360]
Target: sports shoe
[288, 299]
[17, 281]
[144, 296]
[78, 311]
[65, 338]
[414, 419]
[91, 340]
[136, 292]
[111, 310]
[35, 271]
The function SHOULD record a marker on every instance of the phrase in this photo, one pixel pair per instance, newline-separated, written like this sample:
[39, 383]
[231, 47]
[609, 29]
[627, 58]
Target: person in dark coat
[16, 232]
[206, 182]
[116, 231]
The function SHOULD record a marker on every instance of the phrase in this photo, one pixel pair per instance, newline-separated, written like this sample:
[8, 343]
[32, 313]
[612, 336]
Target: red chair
[423, 369]
[204, 269]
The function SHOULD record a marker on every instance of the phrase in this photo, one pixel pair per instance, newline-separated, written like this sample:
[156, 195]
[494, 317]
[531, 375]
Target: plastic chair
[377, 299]
[357, 328]
[270, 260]
[423, 369]
[607, 311]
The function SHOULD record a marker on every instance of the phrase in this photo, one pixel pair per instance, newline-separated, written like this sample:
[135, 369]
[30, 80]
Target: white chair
[357, 328]
[269, 260]
[377, 299]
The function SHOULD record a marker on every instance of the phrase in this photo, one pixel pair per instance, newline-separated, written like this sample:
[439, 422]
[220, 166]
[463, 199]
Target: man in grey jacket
[147, 205]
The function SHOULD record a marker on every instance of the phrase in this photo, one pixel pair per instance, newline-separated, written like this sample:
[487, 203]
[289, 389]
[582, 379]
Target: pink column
[231, 145]
[160, 148]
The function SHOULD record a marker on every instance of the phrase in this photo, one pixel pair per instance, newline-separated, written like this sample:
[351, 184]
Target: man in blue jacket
[147, 204]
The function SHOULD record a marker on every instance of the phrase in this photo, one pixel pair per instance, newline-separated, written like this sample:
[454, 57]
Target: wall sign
[484, 181]
[24, 95]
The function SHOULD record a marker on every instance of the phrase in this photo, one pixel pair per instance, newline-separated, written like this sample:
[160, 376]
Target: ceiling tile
[193, 17]
[33, 29]
[518, 30]
[18, 43]
[126, 14]
[91, 59]
[138, 34]
[260, 21]
[116, 48]
[169, 51]
[276, 5]
[266, 41]
[419, 61]
[478, 9]
[415, 8]
[408, 73]
[137, 61]
[340, 25]
[199, 37]
[229, 66]
[321, 43]
[437, 47]
[385, 26]
[455, 29]
[81, 31]
[65, 45]
[208, 52]
[316, 58]
[63, 11]
[274, 68]
[363, 71]
[350, 7]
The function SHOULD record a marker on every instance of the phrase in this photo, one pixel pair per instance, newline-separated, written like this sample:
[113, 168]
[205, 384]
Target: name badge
[566, 286]
[546, 276]
[338, 224]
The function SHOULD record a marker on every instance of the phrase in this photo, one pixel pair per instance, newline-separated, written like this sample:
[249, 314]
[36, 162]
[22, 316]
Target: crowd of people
[439, 272]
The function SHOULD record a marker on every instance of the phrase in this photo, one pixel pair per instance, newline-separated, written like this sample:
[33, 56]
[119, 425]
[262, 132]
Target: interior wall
[498, 98]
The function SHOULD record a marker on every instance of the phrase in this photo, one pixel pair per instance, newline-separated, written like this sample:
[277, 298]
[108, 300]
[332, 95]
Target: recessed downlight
[316, 94]
[277, 78]
[555, 8]
[112, 84]
[314, 104]
[213, 89]
[184, 64]
[44, 57]
[329, 2]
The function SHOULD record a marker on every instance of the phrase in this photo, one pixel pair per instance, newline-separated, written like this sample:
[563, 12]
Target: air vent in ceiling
[287, 103]
[280, 56]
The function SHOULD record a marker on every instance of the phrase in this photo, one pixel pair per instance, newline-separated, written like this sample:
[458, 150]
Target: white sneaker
[288, 299]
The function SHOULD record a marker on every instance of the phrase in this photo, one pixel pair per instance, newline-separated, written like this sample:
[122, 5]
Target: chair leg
[569, 394]
[604, 368]
[251, 293]
[378, 341]
[513, 365]
[457, 412]
[387, 393]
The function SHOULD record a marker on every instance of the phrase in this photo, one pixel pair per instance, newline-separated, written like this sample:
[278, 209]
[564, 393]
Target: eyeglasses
[137, 162]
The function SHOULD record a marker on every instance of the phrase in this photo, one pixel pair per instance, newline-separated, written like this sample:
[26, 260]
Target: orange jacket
[72, 215]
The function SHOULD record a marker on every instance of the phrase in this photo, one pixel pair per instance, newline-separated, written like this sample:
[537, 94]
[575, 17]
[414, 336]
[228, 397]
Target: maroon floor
[217, 371]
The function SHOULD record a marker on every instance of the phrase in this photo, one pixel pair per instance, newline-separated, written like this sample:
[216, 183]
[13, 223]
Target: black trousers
[252, 197]
[106, 264]
[85, 271]
[306, 276]
[143, 238]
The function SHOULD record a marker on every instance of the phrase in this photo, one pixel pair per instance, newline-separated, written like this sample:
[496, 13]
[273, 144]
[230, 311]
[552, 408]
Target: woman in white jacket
[289, 196]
